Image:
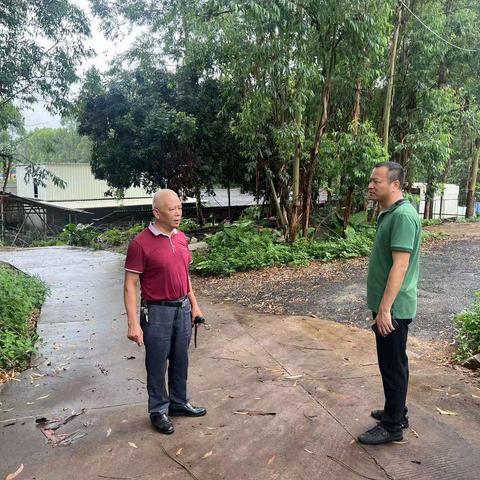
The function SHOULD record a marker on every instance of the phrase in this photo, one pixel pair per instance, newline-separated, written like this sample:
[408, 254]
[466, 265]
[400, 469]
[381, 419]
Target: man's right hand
[135, 334]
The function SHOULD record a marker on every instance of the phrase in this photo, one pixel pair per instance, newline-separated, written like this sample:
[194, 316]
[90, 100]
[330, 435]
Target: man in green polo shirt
[392, 295]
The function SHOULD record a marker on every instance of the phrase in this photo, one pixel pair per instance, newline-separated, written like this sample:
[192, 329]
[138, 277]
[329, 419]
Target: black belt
[181, 302]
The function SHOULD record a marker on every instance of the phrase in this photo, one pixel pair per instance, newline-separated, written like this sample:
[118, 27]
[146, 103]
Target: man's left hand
[196, 312]
[384, 323]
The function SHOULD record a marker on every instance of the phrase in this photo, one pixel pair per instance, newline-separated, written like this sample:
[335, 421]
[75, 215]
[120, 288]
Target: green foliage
[41, 46]
[54, 145]
[357, 151]
[241, 247]
[152, 126]
[20, 297]
[134, 230]
[188, 224]
[253, 213]
[469, 220]
[467, 324]
[432, 221]
[81, 235]
[112, 238]
[78, 234]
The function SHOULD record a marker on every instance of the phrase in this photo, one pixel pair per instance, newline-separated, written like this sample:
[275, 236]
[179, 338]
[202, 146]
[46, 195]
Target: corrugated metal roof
[48, 205]
[104, 203]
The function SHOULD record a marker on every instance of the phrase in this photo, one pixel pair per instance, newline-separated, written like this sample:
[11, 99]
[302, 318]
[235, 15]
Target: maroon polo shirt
[162, 263]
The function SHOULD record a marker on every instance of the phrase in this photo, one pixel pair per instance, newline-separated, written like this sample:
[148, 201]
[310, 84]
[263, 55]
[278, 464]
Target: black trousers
[393, 363]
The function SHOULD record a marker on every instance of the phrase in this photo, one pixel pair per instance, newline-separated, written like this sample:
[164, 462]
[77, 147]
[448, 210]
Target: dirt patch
[450, 269]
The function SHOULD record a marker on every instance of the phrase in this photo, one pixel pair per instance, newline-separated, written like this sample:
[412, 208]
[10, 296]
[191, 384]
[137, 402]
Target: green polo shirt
[398, 230]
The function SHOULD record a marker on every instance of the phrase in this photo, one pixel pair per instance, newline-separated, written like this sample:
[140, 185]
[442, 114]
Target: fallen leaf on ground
[11, 476]
[271, 460]
[109, 431]
[445, 412]
[208, 454]
[179, 451]
[132, 445]
[253, 412]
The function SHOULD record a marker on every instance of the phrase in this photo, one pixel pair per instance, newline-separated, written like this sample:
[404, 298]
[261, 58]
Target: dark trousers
[166, 333]
[393, 363]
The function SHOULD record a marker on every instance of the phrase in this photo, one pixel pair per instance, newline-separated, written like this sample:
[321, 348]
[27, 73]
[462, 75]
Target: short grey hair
[158, 196]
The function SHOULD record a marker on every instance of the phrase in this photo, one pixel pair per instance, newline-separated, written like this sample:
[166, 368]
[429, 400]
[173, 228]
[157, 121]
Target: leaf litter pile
[277, 289]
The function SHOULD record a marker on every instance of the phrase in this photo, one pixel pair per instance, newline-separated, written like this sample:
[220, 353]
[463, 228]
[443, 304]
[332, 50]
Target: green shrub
[20, 296]
[467, 324]
[188, 224]
[474, 219]
[242, 246]
[253, 213]
[78, 234]
[112, 237]
[134, 230]
[427, 222]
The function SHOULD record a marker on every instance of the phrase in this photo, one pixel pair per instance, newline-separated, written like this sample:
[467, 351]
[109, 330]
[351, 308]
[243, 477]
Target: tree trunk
[356, 114]
[391, 74]
[6, 172]
[348, 208]
[444, 179]
[198, 205]
[280, 214]
[293, 220]
[321, 127]
[429, 201]
[356, 119]
[472, 182]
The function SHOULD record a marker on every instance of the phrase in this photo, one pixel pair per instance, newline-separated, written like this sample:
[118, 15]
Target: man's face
[380, 188]
[168, 211]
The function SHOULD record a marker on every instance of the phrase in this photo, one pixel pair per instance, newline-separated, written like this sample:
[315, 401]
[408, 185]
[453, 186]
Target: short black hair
[395, 171]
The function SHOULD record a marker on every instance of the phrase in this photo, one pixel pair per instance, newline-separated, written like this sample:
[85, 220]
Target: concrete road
[317, 381]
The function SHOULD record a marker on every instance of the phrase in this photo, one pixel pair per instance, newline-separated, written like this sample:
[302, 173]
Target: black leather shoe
[162, 423]
[378, 435]
[187, 410]
[378, 415]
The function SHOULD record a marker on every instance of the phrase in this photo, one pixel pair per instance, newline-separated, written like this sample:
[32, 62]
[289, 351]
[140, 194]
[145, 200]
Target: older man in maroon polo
[159, 259]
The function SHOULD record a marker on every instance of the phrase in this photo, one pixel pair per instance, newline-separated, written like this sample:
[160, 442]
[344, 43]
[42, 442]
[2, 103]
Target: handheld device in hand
[375, 326]
[196, 322]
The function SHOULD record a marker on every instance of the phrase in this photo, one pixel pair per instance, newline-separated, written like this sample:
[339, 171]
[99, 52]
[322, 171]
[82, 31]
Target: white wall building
[450, 207]
[82, 189]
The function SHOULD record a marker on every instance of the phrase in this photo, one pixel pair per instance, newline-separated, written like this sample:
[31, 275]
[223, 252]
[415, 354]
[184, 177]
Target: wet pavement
[286, 395]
